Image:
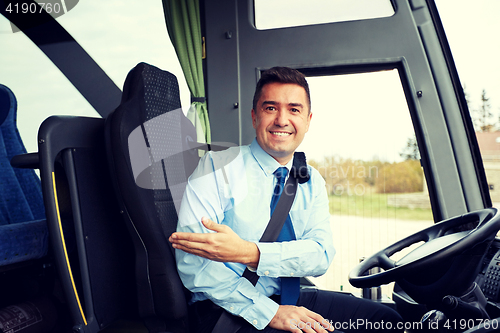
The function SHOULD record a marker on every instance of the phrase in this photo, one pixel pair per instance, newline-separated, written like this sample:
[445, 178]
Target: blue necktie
[290, 286]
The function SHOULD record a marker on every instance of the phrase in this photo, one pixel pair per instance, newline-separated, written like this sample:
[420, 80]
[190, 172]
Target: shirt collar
[266, 161]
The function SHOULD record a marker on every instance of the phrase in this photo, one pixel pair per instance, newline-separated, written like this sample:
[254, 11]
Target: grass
[374, 205]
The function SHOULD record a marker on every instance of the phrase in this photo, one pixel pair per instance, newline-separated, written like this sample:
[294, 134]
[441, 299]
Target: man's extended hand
[224, 245]
[299, 319]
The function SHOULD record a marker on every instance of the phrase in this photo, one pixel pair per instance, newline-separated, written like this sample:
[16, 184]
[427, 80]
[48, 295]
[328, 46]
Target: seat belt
[227, 322]
[277, 220]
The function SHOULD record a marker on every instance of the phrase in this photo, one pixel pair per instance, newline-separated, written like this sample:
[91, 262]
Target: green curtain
[183, 25]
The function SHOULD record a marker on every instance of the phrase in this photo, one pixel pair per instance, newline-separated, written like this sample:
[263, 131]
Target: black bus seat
[149, 124]
[91, 248]
[23, 229]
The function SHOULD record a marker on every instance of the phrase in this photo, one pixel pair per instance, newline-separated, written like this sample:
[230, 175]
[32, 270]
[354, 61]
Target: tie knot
[281, 174]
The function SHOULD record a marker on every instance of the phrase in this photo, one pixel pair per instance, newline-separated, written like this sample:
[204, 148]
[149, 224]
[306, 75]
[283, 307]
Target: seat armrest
[26, 161]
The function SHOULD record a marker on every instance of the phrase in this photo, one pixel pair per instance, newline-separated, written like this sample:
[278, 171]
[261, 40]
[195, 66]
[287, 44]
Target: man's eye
[270, 108]
[294, 110]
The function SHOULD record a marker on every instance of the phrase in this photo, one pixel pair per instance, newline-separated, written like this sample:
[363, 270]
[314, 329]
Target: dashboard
[488, 278]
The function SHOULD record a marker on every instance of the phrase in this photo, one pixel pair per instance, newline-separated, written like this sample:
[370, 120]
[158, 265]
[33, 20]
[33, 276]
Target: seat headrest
[156, 91]
[7, 102]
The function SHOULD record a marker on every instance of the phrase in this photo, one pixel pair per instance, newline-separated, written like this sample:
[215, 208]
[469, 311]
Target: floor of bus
[126, 326]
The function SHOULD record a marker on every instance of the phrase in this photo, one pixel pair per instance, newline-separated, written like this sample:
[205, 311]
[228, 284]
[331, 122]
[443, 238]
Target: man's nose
[281, 118]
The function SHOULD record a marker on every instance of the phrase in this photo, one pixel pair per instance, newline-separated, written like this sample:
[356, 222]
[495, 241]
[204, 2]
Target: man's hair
[281, 75]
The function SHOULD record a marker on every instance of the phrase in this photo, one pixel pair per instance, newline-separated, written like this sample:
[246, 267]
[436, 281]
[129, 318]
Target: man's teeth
[280, 133]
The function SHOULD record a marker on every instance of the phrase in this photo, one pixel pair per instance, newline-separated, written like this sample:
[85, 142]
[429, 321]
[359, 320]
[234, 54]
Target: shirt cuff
[261, 313]
[253, 270]
[270, 254]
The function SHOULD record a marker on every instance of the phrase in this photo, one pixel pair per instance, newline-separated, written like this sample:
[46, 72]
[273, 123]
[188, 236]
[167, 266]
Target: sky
[471, 26]
[358, 116]
[472, 29]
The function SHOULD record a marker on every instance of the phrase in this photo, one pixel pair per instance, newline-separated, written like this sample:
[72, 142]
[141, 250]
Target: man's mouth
[281, 133]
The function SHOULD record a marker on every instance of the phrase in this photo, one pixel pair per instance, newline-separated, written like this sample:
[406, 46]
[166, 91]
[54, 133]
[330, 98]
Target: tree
[410, 152]
[402, 177]
[467, 96]
[483, 115]
[348, 176]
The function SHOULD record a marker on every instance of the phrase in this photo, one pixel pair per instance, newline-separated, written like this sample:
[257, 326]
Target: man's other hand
[224, 245]
[299, 319]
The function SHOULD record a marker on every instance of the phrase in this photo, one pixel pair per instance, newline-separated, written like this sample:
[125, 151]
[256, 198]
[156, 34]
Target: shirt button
[291, 274]
[266, 273]
[254, 322]
[231, 308]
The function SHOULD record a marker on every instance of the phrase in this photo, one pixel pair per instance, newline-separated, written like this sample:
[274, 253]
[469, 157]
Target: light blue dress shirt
[235, 187]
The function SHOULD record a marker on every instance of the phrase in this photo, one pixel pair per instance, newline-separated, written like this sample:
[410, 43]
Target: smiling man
[281, 116]
[225, 210]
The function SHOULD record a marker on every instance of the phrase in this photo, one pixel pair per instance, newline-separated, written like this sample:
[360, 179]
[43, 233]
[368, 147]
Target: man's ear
[309, 117]
[254, 118]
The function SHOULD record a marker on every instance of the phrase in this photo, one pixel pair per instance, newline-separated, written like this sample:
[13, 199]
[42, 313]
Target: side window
[286, 13]
[478, 78]
[362, 142]
[40, 87]
[488, 140]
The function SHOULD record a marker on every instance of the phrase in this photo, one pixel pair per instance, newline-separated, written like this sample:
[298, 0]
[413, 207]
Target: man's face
[281, 120]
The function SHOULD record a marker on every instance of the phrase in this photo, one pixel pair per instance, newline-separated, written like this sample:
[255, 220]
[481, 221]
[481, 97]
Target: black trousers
[345, 312]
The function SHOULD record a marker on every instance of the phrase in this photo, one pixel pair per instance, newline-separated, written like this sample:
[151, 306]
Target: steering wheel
[446, 264]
